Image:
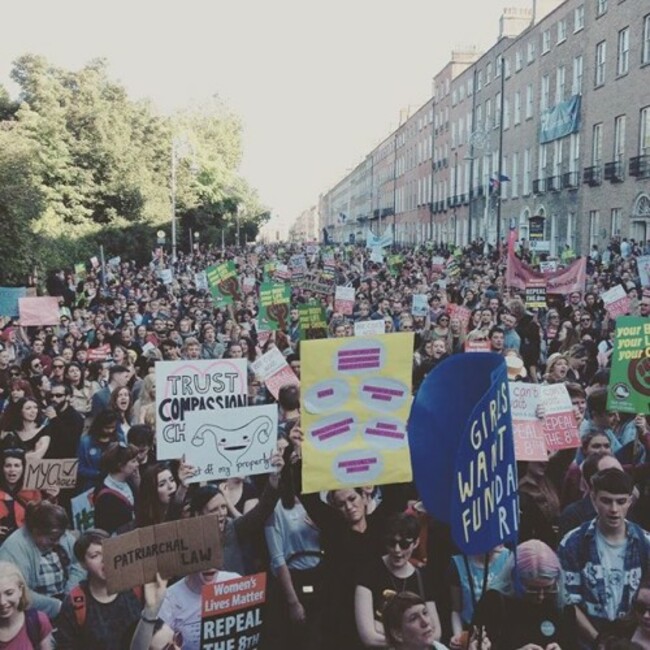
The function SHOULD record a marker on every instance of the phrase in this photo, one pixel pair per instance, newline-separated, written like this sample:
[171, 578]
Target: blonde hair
[9, 570]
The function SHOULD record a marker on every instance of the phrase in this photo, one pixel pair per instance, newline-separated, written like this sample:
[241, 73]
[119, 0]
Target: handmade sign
[231, 613]
[239, 443]
[201, 281]
[463, 457]
[629, 381]
[420, 306]
[344, 300]
[39, 311]
[616, 301]
[548, 266]
[223, 283]
[355, 402]
[100, 353]
[312, 322]
[9, 300]
[83, 511]
[527, 428]
[643, 265]
[166, 275]
[536, 294]
[463, 314]
[560, 427]
[172, 549]
[272, 368]
[370, 327]
[48, 473]
[183, 387]
[274, 305]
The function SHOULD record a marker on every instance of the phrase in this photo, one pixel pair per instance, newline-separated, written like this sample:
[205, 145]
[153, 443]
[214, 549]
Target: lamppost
[181, 148]
[196, 241]
[455, 197]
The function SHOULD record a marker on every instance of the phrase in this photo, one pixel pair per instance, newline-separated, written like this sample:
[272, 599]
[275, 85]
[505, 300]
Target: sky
[317, 84]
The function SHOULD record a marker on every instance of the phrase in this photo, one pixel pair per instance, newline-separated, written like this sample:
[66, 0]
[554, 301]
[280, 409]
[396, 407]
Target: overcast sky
[317, 84]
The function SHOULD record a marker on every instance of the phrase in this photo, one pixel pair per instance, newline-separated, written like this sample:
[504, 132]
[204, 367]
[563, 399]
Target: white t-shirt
[181, 610]
[612, 558]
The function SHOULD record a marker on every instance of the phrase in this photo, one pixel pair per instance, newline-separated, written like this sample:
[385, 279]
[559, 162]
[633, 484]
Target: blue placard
[9, 300]
[462, 450]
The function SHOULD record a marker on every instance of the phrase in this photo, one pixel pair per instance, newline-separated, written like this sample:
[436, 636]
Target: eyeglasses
[58, 365]
[585, 320]
[403, 542]
[36, 364]
[641, 608]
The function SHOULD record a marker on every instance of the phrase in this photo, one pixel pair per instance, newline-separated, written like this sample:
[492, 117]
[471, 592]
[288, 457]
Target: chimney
[514, 20]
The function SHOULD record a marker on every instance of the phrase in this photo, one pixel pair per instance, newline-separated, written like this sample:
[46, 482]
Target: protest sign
[437, 263]
[222, 280]
[356, 394]
[274, 305]
[316, 287]
[527, 428]
[166, 276]
[298, 266]
[629, 382]
[186, 386]
[616, 301]
[48, 473]
[80, 271]
[563, 281]
[272, 368]
[536, 294]
[477, 345]
[239, 443]
[548, 266]
[344, 300]
[269, 270]
[420, 305]
[370, 327]
[39, 311]
[201, 281]
[94, 262]
[377, 255]
[463, 457]
[100, 353]
[643, 265]
[172, 549]
[463, 314]
[560, 428]
[83, 511]
[312, 323]
[9, 297]
[248, 284]
[114, 262]
[231, 613]
[282, 272]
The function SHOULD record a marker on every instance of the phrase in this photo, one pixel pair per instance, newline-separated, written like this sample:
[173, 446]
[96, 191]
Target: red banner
[565, 281]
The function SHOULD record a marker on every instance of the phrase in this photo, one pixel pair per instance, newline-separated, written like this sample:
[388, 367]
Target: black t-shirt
[513, 622]
[376, 577]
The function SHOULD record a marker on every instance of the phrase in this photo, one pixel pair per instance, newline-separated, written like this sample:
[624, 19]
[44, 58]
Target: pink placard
[39, 311]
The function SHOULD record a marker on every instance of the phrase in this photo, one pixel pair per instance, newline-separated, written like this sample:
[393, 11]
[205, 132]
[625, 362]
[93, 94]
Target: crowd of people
[353, 568]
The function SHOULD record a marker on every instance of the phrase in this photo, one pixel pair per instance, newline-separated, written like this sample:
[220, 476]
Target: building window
[557, 157]
[594, 227]
[527, 173]
[544, 97]
[601, 54]
[488, 114]
[506, 114]
[560, 83]
[497, 111]
[479, 80]
[601, 7]
[645, 50]
[546, 41]
[529, 101]
[470, 86]
[530, 52]
[623, 58]
[518, 60]
[578, 18]
[497, 66]
[488, 73]
[542, 160]
[616, 221]
[644, 132]
[578, 68]
[561, 31]
[574, 152]
[597, 144]
[619, 138]
[514, 176]
[517, 108]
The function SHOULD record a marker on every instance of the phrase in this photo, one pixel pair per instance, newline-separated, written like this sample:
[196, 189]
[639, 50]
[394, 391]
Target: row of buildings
[564, 95]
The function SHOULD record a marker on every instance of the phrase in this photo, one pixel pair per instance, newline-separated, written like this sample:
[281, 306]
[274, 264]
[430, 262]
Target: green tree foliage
[96, 161]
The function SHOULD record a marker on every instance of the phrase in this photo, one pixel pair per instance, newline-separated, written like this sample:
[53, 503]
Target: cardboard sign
[344, 300]
[39, 311]
[536, 294]
[370, 327]
[9, 297]
[231, 613]
[239, 443]
[83, 511]
[530, 443]
[616, 300]
[355, 399]
[560, 428]
[312, 322]
[223, 283]
[272, 368]
[463, 457]
[172, 549]
[49, 473]
[182, 387]
[274, 306]
[420, 305]
[629, 381]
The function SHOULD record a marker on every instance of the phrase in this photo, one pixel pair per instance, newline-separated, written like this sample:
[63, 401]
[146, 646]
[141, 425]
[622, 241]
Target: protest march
[305, 446]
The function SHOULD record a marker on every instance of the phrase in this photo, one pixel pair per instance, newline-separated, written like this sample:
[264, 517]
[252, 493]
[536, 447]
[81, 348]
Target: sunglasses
[641, 608]
[403, 543]
[58, 365]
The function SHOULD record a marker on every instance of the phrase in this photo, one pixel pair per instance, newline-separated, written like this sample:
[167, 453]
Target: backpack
[33, 625]
[78, 598]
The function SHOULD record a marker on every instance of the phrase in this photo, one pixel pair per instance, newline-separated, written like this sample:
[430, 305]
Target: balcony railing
[640, 166]
[614, 171]
[554, 183]
[539, 186]
[570, 180]
[592, 175]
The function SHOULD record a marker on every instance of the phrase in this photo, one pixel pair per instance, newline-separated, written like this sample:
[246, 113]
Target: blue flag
[462, 450]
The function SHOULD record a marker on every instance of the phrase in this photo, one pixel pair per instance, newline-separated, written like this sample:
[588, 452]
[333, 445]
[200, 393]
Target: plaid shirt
[584, 575]
[51, 575]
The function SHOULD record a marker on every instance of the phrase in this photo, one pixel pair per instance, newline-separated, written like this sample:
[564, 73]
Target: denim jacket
[584, 574]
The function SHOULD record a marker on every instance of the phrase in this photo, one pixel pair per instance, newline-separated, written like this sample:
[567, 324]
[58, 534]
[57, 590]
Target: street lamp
[181, 148]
